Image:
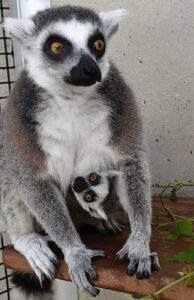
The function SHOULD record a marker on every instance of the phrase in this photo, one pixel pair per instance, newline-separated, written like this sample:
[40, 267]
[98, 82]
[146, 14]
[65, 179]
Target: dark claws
[143, 275]
[96, 292]
[96, 277]
[44, 280]
[131, 271]
[155, 265]
[55, 263]
[93, 275]
[143, 272]
[117, 258]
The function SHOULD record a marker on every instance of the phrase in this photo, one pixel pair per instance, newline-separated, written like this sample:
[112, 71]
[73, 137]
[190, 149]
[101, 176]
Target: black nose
[86, 73]
[90, 71]
[79, 184]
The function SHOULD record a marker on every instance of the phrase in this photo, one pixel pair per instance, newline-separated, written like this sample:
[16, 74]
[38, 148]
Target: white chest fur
[74, 134]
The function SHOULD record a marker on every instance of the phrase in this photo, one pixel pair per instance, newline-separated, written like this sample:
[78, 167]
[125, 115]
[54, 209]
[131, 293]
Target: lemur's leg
[135, 196]
[20, 227]
[46, 203]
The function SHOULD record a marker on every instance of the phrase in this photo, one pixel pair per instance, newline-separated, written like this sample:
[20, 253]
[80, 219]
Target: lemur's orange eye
[99, 45]
[56, 48]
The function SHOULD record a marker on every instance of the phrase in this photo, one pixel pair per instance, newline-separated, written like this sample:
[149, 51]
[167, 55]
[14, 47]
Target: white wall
[154, 49]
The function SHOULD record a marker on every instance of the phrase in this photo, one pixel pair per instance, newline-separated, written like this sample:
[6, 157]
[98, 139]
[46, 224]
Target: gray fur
[43, 149]
[65, 13]
[119, 97]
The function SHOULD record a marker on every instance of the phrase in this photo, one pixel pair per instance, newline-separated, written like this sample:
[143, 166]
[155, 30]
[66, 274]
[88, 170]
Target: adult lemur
[70, 114]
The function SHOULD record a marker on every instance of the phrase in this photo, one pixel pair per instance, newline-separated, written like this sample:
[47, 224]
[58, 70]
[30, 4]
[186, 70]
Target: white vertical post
[27, 8]
[24, 9]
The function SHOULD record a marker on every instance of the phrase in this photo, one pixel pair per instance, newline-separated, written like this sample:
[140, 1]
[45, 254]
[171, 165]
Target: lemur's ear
[21, 29]
[110, 20]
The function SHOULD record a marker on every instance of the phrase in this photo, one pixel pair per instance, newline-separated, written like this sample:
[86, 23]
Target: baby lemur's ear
[21, 29]
[101, 213]
[110, 20]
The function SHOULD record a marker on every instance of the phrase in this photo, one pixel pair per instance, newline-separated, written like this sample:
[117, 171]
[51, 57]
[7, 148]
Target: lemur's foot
[79, 263]
[106, 227]
[37, 252]
[141, 261]
[91, 191]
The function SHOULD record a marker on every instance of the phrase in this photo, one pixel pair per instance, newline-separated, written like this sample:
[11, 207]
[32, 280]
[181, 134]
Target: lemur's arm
[45, 201]
[137, 202]
[134, 188]
[136, 176]
[28, 170]
[132, 185]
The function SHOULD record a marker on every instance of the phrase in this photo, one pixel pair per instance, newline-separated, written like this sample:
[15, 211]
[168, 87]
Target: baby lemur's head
[93, 191]
[66, 45]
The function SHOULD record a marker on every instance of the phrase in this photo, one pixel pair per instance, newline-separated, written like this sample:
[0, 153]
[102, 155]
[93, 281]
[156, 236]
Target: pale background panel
[154, 50]
[105, 295]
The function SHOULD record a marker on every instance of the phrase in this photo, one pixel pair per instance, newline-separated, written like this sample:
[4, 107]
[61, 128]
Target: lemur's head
[66, 45]
[92, 191]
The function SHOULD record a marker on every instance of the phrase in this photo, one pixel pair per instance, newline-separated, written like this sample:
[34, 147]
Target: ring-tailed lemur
[71, 114]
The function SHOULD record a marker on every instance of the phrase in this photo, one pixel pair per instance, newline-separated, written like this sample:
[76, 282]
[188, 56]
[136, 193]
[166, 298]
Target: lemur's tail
[27, 287]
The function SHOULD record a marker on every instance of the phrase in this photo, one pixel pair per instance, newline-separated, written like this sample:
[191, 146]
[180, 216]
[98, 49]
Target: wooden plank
[112, 275]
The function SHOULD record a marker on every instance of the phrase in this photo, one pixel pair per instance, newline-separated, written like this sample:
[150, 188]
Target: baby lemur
[72, 120]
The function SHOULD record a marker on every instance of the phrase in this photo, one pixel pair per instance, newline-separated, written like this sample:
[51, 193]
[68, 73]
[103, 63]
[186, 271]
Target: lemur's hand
[79, 263]
[40, 257]
[142, 262]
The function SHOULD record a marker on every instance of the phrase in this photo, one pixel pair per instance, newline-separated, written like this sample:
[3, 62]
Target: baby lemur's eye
[90, 196]
[99, 45]
[56, 47]
[94, 178]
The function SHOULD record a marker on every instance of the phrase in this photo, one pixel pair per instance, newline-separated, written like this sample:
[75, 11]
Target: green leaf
[173, 236]
[186, 256]
[184, 227]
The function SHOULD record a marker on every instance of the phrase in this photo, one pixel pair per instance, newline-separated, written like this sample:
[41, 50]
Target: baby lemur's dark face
[92, 192]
